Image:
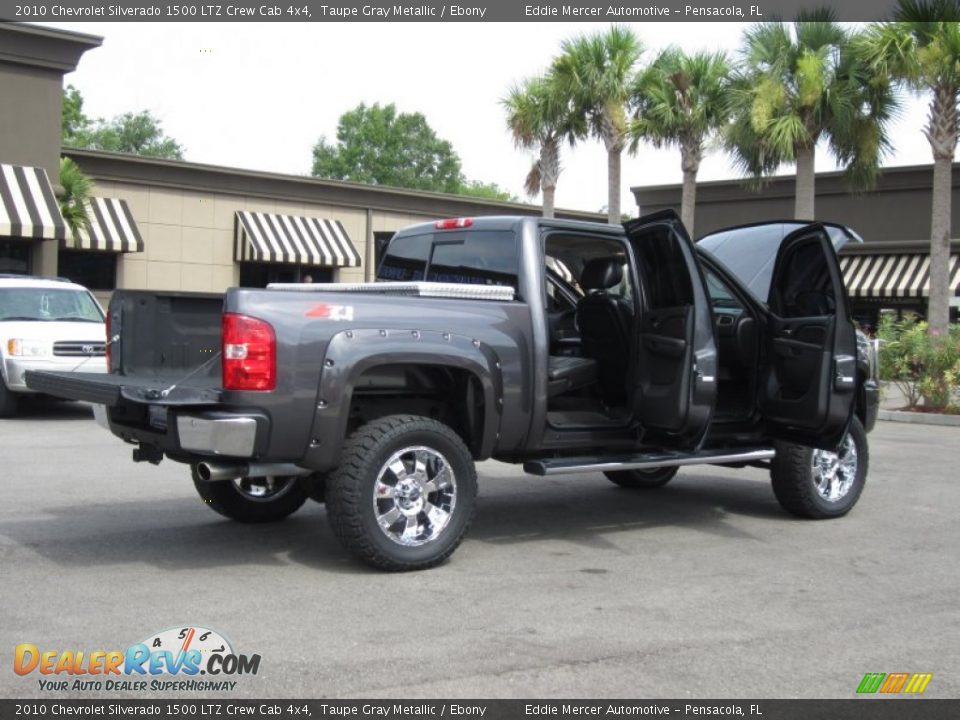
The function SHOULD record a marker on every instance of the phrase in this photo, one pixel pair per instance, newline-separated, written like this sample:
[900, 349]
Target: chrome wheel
[414, 496]
[264, 489]
[834, 473]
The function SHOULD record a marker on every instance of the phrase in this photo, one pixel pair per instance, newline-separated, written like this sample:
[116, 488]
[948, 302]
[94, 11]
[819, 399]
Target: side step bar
[560, 466]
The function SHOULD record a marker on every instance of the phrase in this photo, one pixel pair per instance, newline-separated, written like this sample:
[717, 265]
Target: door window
[665, 276]
[804, 287]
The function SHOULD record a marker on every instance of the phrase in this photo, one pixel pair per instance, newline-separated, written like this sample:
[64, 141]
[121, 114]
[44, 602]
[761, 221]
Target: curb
[919, 418]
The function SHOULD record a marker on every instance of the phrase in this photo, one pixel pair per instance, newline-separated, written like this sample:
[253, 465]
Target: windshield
[48, 305]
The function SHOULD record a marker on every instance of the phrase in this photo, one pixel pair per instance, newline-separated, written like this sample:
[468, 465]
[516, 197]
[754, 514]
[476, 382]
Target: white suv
[46, 324]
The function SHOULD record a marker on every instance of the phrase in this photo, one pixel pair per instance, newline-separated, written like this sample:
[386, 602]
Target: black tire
[315, 486]
[353, 510]
[225, 498]
[642, 479]
[8, 400]
[795, 483]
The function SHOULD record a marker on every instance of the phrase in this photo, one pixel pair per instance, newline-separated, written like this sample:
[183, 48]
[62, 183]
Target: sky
[258, 96]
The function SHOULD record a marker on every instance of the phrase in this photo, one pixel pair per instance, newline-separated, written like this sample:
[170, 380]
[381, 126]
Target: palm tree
[921, 49]
[682, 100]
[802, 83]
[75, 197]
[539, 119]
[597, 73]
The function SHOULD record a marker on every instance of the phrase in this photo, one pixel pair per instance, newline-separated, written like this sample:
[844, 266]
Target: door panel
[675, 379]
[665, 359]
[808, 373]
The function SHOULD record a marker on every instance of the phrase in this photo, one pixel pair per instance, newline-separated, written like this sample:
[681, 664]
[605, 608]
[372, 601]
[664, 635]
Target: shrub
[921, 365]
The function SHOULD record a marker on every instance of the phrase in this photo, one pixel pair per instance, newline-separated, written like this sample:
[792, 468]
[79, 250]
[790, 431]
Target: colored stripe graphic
[918, 682]
[893, 683]
[871, 682]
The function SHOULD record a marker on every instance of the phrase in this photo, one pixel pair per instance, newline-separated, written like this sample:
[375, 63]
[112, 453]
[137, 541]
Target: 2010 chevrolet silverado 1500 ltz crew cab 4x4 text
[567, 347]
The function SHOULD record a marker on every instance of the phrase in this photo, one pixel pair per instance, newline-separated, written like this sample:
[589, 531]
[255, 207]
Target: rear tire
[403, 495]
[819, 484]
[8, 400]
[642, 479]
[253, 500]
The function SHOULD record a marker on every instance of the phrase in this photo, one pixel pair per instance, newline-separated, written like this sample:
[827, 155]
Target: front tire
[820, 484]
[403, 495]
[8, 400]
[253, 500]
[642, 479]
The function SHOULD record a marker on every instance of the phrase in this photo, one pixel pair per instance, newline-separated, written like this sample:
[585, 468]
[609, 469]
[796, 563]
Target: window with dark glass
[476, 257]
[14, 257]
[259, 275]
[380, 242]
[93, 270]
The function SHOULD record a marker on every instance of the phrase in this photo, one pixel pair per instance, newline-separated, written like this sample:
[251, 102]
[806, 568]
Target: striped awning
[265, 237]
[893, 275]
[112, 228]
[28, 207]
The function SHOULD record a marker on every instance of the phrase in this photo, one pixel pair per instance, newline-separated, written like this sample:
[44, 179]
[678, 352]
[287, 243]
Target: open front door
[675, 378]
[808, 381]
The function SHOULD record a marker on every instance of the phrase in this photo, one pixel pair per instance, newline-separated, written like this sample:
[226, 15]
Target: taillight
[108, 346]
[453, 223]
[249, 353]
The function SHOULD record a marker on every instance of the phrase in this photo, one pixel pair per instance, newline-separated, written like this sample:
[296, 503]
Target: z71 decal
[331, 312]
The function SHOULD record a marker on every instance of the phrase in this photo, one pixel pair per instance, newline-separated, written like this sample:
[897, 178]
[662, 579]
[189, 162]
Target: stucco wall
[189, 236]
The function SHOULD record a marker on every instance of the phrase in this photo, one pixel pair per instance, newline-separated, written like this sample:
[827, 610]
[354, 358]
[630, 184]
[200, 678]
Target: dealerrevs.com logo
[171, 660]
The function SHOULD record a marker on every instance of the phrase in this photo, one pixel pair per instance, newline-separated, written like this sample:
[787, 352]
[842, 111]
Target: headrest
[601, 274]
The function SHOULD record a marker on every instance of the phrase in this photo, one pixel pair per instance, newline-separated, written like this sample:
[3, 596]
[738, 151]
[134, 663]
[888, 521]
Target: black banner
[432, 10]
[874, 709]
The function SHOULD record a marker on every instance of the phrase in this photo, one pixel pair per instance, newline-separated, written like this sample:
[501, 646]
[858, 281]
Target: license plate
[157, 416]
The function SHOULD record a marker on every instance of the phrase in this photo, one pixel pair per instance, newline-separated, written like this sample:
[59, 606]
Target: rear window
[473, 257]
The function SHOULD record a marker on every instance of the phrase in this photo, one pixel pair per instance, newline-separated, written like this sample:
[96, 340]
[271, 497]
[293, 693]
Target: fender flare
[350, 353]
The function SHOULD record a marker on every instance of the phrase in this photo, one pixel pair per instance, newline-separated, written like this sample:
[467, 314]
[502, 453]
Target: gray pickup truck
[566, 347]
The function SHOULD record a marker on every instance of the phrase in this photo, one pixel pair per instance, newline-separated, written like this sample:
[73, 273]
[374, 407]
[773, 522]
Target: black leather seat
[604, 320]
[565, 373]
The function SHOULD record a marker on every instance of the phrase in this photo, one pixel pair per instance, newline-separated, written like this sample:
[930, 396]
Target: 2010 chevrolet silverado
[565, 346]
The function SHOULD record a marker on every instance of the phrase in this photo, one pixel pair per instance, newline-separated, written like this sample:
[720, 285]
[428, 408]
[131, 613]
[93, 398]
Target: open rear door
[675, 378]
[808, 381]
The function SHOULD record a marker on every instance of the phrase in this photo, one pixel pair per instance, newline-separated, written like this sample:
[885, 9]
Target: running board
[560, 466]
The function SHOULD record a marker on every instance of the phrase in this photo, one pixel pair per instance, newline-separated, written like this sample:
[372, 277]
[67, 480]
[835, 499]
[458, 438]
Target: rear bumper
[233, 436]
[16, 368]
[190, 435]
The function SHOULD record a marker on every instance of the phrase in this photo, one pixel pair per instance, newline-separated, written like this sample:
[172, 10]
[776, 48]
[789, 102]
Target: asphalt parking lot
[563, 588]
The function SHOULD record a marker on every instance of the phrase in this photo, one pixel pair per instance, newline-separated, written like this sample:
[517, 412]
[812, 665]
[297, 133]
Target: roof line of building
[830, 182]
[123, 167]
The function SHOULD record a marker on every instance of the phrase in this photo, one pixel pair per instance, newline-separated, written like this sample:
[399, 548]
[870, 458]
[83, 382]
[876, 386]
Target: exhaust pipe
[215, 472]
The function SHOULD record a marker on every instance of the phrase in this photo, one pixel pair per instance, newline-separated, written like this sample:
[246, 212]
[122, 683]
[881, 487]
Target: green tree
[73, 120]
[682, 101]
[597, 73]
[74, 196]
[138, 133]
[375, 144]
[921, 49]
[539, 118]
[801, 83]
[486, 191]
[135, 133]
